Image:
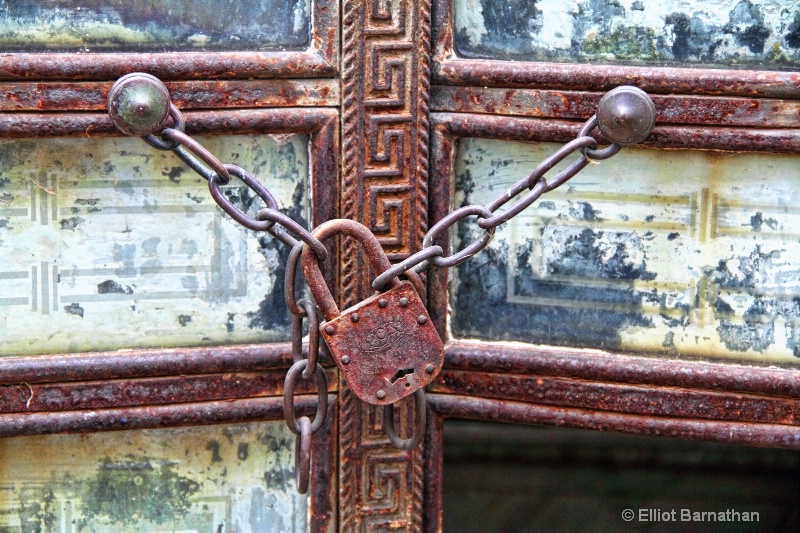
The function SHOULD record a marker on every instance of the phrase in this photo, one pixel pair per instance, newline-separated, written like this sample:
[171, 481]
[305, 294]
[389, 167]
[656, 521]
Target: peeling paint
[626, 257]
[152, 480]
[154, 26]
[761, 33]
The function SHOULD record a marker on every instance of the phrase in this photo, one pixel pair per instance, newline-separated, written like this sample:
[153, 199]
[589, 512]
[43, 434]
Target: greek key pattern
[386, 85]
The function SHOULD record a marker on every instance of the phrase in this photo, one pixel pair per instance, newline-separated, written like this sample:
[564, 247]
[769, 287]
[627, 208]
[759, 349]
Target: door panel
[238, 477]
[110, 244]
[679, 252]
[154, 26]
[756, 34]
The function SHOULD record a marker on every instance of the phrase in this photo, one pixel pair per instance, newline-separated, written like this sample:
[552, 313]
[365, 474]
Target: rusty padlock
[386, 346]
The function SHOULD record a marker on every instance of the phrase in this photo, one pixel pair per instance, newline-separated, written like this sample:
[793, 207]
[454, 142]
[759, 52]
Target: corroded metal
[580, 105]
[138, 104]
[200, 94]
[781, 436]
[23, 397]
[691, 137]
[626, 115]
[385, 93]
[383, 344]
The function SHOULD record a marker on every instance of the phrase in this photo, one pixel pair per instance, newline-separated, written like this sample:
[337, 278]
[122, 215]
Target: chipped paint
[157, 25]
[627, 257]
[108, 246]
[153, 480]
[725, 32]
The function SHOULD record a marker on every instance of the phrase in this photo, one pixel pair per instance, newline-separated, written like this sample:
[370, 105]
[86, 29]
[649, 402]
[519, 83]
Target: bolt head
[330, 330]
[383, 302]
[421, 319]
[429, 369]
[380, 394]
[403, 302]
[354, 317]
[626, 115]
[345, 359]
[138, 104]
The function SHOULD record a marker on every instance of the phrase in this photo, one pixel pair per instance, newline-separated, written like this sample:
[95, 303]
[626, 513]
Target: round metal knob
[626, 115]
[138, 104]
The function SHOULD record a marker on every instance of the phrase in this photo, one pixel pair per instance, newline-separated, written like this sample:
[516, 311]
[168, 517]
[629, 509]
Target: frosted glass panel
[675, 252]
[747, 33]
[216, 478]
[109, 244]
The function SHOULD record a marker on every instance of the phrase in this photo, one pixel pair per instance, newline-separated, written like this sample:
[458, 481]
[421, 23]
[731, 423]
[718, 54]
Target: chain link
[269, 219]
[489, 218]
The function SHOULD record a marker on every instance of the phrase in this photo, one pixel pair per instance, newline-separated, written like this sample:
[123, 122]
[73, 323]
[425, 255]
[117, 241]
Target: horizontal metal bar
[779, 436]
[92, 96]
[597, 366]
[204, 413]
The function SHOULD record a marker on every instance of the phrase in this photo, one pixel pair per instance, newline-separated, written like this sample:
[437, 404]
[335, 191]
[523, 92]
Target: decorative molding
[385, 95]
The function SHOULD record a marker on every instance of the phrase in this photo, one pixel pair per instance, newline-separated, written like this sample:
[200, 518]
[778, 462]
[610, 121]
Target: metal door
[389, 113]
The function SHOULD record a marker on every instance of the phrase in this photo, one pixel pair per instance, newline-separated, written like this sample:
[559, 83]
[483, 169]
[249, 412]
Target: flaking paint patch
[152, 480]
[724, 32]
[156, 25]
[632, 255]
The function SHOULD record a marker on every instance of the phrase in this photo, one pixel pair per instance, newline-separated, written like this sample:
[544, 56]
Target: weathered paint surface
[109, 244]
[673, 252]
[756, 33]
[235, 478]
[153, 25]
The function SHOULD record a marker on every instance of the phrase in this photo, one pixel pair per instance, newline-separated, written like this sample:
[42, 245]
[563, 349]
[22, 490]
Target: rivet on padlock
[386, 346]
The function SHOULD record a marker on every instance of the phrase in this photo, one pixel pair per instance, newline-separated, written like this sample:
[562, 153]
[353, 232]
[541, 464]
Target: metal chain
[269, 219]
[489, 217]
[207, 165]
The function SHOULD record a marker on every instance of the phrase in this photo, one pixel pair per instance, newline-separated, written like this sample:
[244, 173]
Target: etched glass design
[107, 243]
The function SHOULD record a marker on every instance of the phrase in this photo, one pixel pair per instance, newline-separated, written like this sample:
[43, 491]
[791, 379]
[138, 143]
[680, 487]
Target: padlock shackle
[313, 273]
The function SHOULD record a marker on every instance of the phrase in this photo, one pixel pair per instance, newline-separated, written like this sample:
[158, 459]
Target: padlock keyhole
[401, 374]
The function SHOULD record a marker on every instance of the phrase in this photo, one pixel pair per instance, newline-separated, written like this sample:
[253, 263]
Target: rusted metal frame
[157, 416]
[323, 487]
[321, 59]
[450, 70]
[244, 121]
[385, 128]
[578, 105]
[735, 379]
[63, 368]
[169, 375]
[24, 397]
[647, 400]
[681, 137]
[759, 394]
[772, 435]
[93, 96]
[434, 472]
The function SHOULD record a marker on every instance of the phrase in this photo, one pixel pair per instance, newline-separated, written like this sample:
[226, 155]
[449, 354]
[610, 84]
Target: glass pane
[748, 33]
[213, 478]
[153, 25]
[500, 478]
[108, 244]
[667, 251]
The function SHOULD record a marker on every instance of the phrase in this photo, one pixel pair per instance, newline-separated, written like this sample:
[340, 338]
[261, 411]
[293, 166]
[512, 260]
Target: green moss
[625, 42]
[777, 54]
